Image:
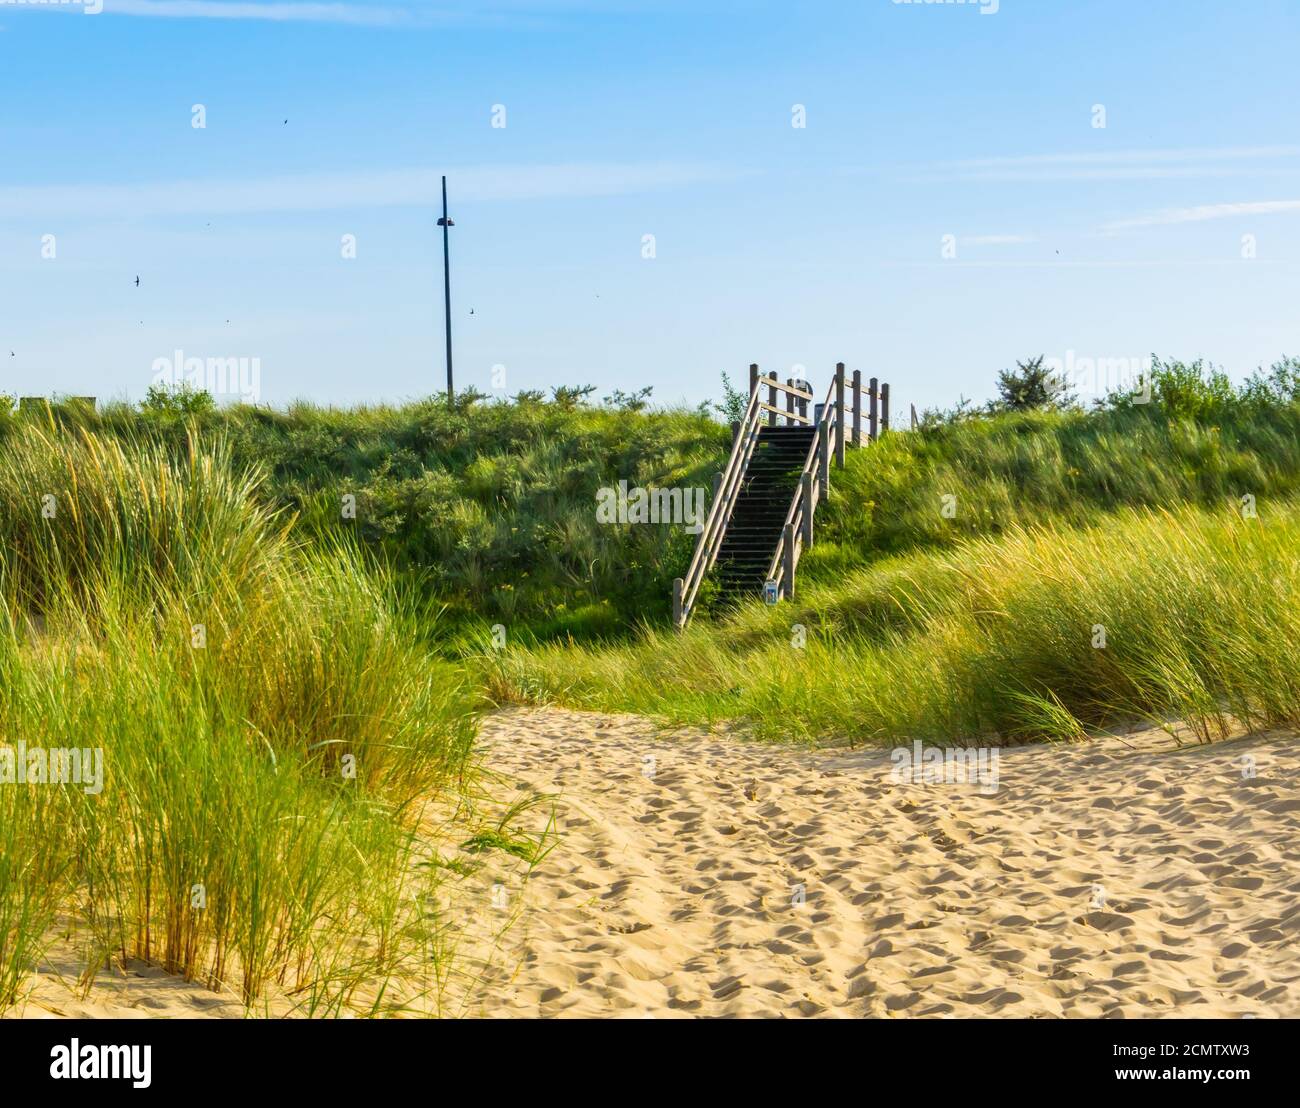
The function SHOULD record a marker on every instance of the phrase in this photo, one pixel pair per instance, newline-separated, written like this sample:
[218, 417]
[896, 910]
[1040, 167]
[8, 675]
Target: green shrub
[269, 717]
[1185, 616]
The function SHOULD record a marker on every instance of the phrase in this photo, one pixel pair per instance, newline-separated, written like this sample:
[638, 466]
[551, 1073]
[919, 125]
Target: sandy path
[1116, 878]
[1104, 879]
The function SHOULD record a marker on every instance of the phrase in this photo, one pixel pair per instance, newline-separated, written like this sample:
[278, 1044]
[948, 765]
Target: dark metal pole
[445, 223]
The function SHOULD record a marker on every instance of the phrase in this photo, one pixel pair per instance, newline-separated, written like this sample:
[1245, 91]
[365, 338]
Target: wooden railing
[796, 399]
[814, 478]
[744, 439]
[839, 423]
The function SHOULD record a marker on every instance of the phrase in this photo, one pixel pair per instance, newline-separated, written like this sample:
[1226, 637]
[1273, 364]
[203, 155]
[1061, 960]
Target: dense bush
[1196, 439]
[489, 507]
[1187, 617]
[268, 719]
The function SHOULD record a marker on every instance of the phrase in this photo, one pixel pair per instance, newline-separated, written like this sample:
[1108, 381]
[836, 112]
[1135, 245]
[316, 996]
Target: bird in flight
[137, 281]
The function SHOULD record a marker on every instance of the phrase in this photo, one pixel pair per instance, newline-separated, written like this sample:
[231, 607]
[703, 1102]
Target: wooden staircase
[758, 515]
[761, 518]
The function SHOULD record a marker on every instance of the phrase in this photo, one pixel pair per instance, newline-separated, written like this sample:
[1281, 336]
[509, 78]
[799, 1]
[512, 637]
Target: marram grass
[1043, 632]
[487, 508]
[268, 720]
[272, 719]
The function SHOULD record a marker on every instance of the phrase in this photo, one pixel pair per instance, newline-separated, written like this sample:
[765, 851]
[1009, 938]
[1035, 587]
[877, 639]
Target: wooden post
[789, 403]
[839, 415]
[717, 482]
[857, 408]
[823, 459]
[913, 417]
[884, 408]
[735, 431]
[808, 503]
[753, 379]
[788, 576]
[678, 586]
[873, 420]
[771, 401]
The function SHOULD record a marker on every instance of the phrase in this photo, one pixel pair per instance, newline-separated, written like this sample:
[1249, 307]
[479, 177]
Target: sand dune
[1117, 878]
[702, 875]
[139, 991]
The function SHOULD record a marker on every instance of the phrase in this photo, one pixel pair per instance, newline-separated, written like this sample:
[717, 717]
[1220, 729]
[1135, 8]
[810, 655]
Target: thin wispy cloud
[517, 14]
[1200, 213]
[1113, 173]
[1096, 157]
[329, 191]
[275, 11]
[1118, 165]
[996, 240]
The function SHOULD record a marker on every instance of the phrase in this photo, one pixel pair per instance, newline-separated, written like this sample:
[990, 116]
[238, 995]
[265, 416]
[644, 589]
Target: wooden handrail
[814, 478]
[687, 588]
[794, 518]
[830, 436]
[785, 413]
[789, 390]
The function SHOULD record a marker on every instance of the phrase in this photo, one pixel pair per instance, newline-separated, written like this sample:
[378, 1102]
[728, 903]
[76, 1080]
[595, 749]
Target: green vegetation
[269, 725]
[1032, 386]
[487, 509]
[1136, 518]
[1198, 441]
[1001, 638]
[280, 685]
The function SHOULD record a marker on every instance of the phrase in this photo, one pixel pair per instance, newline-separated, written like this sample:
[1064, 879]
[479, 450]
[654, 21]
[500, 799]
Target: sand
[703, 875]
[1115, 878]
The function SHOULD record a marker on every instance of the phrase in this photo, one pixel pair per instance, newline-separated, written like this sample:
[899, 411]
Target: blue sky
[793, 247]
